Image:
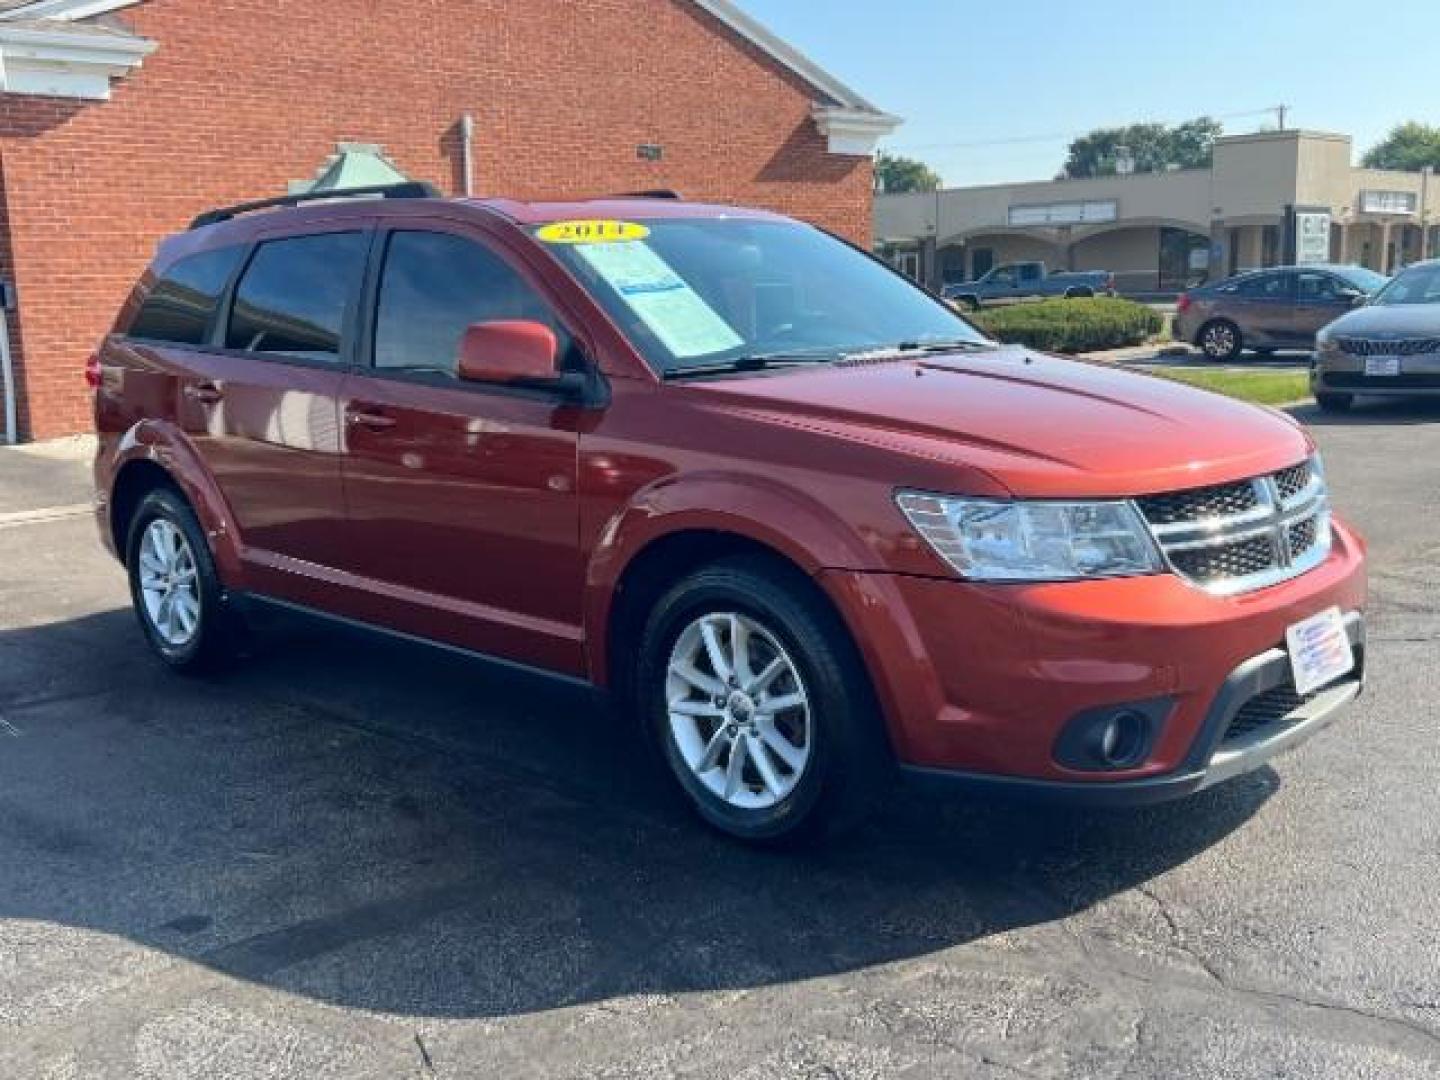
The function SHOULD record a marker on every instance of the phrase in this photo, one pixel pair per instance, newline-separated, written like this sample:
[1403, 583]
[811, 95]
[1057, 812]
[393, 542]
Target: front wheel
[758, 703]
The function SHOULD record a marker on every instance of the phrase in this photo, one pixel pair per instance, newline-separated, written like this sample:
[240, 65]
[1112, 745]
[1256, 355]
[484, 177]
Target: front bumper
[1214, 758]
[978, 682]
[1340, 373]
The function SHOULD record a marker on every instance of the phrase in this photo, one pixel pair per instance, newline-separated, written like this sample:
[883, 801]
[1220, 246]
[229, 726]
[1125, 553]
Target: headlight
[998, 540]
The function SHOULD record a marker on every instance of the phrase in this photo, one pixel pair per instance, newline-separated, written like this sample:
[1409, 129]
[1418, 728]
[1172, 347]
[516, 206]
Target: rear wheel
[1334, 403]
[1220, 340]
[173, 584]
[758, 704]
[1082, 293]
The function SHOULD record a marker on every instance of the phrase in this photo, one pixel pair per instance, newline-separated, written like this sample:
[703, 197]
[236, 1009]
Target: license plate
[1319, 651]
[1382, 365]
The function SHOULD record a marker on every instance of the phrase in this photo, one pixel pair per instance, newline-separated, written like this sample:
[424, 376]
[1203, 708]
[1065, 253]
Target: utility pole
[1280, 111]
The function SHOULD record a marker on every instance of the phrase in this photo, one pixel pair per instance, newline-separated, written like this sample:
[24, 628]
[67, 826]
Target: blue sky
[1021, 78]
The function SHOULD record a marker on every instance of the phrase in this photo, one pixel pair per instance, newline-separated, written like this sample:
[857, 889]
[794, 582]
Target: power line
[1281, 110]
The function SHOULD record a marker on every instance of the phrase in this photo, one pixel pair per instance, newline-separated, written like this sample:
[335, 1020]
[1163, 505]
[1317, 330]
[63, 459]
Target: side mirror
[510, 351]
[1358, 299]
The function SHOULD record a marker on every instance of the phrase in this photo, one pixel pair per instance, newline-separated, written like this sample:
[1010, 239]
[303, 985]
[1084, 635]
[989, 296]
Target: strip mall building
[122, 119]
[1268, 198]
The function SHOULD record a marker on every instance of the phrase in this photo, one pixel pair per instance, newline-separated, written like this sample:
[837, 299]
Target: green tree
[1409, 146]
[894, 174]
[1151, 148]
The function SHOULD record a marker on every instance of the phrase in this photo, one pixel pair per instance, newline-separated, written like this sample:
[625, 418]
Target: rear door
[264, 402]
[1262, 305]
[1320, 299]
[463, 520]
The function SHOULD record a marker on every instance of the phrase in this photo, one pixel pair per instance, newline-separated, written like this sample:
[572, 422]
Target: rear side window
[1264, 287]
[293, 296]
[182, 304]
[434, 285]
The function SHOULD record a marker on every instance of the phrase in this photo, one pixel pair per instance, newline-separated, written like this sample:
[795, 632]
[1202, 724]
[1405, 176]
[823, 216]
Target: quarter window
[293, 296]
[180, 306]
[433, 287]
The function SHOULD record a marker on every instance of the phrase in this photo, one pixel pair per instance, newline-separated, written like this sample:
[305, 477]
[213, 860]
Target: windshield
[1367, 281]
[694, 293]
[1418, 285]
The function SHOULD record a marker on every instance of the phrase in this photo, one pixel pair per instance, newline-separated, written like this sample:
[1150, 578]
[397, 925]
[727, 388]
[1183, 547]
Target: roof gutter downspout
[7, 376]
[467, 158]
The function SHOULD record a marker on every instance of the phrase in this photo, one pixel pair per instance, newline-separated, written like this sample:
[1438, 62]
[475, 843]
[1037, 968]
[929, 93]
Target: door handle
[368, 417]
[206, 393]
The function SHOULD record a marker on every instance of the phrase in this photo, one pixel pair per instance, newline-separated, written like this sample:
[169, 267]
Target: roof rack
[652, 193]
[412, 189]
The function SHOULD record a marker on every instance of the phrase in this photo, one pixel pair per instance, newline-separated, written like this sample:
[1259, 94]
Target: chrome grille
[1232, 538]
[1358, 346]
[1219, 501]
[1290, 482]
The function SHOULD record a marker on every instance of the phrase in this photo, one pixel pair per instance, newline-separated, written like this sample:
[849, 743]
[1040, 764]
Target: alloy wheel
[739, 711]
[1219, 341]
[169, 583]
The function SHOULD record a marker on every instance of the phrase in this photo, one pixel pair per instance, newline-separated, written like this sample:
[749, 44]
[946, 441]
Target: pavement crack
[1177, 936]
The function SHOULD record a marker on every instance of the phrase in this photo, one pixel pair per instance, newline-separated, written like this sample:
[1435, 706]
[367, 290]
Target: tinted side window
[182, 303]
[1316, 286]
[293, 295]
[433, 286]
[1263, 287]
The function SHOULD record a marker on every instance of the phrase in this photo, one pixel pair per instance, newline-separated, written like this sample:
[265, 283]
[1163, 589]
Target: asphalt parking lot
[351, 858]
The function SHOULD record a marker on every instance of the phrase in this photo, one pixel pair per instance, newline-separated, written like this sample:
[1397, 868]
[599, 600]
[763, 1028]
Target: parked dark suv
[798, 515]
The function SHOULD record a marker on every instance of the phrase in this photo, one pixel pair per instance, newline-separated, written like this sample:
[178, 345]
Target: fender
[166, 445]
[787, 520]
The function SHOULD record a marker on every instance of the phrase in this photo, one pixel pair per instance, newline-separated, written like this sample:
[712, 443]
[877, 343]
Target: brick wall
[243, 96]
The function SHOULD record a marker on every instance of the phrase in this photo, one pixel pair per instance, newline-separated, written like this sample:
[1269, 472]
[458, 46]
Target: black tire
[1079, 294]
[1334, 403]
[1220, 340]
[849, 758]
[216, 629]
[968, 303]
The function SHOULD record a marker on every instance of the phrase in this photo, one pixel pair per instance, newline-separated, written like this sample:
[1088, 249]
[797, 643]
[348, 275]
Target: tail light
[92, 371]
[1182, 303]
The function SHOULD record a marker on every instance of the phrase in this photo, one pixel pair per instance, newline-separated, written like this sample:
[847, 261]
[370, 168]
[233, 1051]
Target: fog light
[1112, 737]
[1122, 739]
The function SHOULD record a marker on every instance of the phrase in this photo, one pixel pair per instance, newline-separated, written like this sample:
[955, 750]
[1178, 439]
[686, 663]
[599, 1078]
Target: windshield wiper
[905, 348]
[753, 362]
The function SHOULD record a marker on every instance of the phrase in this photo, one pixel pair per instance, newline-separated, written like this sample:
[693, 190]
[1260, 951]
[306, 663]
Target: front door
[463, 522]
[264, 402]
[1320, 299]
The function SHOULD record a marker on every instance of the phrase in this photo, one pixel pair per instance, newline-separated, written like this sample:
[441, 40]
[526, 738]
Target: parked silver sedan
[1391, 346]
[1266, 310]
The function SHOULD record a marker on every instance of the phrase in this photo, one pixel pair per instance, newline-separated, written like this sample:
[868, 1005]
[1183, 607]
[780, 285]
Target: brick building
[121, 119]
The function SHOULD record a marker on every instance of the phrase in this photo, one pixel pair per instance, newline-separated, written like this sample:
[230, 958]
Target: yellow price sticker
[591, 232]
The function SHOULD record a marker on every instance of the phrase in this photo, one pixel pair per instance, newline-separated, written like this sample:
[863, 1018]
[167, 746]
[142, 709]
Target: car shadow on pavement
[1371, 412]
[382, 826]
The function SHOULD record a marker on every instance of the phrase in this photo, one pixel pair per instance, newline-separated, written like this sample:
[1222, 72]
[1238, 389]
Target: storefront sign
[1312, 237]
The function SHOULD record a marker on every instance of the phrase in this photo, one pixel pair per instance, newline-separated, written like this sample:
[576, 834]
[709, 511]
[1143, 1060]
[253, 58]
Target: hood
[1040, 426]
[1394, 320]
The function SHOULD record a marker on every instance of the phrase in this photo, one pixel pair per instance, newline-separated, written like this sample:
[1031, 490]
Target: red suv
[797, 514]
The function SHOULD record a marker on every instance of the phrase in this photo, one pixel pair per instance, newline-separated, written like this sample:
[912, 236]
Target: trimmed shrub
[1071, 326]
